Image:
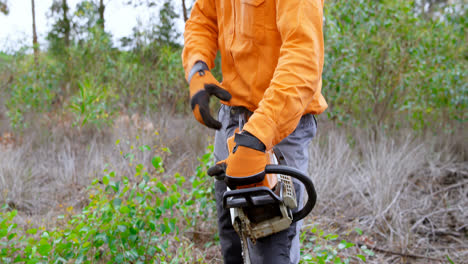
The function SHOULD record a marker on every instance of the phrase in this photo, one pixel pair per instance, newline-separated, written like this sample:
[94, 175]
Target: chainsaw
[265, 209]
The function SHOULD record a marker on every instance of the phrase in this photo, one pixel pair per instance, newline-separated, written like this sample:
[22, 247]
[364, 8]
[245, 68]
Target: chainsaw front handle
[304, 179]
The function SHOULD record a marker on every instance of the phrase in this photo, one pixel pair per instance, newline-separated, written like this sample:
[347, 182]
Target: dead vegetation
[407, 193]
[50, 168]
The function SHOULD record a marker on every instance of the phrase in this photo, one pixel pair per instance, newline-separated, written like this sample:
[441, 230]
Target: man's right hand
[202, 86]
[245, 164]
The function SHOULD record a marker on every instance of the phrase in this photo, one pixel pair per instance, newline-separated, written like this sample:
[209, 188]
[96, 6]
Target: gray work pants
[282, 247]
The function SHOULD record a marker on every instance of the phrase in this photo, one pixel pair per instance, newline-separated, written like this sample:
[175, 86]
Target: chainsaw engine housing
[261, 211]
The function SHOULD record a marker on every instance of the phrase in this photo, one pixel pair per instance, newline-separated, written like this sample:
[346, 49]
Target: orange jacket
[272, 58]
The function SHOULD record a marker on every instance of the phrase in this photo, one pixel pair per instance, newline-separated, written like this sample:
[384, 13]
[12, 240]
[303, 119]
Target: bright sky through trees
[16, 28]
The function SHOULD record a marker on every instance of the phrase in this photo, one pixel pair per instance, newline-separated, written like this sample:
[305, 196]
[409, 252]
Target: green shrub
[319, 247]
[93, 81]
[32, 90]
[385, 65]
[128, 220]
[145, 218]
[92, 105]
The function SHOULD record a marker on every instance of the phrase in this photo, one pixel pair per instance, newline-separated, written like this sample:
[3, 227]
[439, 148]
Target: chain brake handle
[305, 180]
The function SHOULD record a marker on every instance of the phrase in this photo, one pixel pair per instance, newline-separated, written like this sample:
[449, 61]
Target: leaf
[130, 156]
[124, 209]
[144, 148]
[117, 202]
[152, 225]
[174, 198]
[359, 231]
[157, 162]
[119, 258]
[122, 228]
[331, 237]
[451, 261]
[337, 260]
[180, 179]
[115, 186]
[161, 187]
[168, 150]
[167, 203]
[172, 224]
[363, 258]
[158, 213]
[102, 237]
[367, 251]
[142, 185]
[11, 236]
[105, 180]
[44, 249]
[344, 244]
[31, 231]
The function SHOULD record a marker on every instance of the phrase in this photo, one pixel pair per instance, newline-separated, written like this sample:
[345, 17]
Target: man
[272, 60]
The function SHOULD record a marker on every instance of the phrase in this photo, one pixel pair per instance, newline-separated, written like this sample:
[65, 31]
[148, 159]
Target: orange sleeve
[298, 74]
[201, 35]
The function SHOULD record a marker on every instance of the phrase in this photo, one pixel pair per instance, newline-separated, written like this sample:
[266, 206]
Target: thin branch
[406, 255]
[431, 214]
[450, 187]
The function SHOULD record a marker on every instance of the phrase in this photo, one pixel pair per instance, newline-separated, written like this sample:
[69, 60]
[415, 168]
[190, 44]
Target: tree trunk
[35, 45]
[184, 9]
[101, 10]
[66, 22]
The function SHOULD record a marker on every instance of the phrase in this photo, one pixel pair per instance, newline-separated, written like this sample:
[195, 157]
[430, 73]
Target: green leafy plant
[388, 66]
[127, 220]
[450, 260]
[32, 90]
[91, 105]
[320, 248]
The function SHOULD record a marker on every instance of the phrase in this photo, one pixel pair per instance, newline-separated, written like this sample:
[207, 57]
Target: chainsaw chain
[244, 241]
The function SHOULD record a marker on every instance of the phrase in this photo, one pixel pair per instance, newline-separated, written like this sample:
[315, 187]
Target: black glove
[202, 86]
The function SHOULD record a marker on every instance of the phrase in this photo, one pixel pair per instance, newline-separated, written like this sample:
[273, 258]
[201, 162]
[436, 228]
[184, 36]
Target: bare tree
[184, 10]
[35, 45]
[60, 34]
[101, 9]
[63, 24]
[66, 22]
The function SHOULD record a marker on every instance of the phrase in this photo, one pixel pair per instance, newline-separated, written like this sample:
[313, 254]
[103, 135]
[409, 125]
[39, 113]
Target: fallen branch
[445, 211]
[406, 255]
[439, 232]
[201, 233]
[450, 187]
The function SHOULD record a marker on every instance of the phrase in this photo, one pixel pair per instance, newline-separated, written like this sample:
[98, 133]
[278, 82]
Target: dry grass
[409, 194]
[50, 168]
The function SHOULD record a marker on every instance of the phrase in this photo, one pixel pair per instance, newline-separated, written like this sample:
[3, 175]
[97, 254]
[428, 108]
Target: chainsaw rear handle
[309, 186]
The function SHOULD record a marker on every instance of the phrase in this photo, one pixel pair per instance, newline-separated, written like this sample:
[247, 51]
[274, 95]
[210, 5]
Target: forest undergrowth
[101, 160]
[400, 196]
